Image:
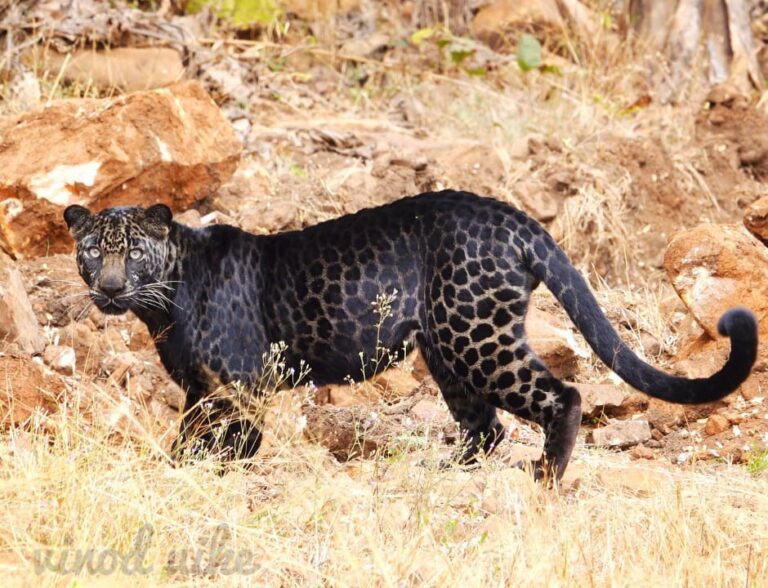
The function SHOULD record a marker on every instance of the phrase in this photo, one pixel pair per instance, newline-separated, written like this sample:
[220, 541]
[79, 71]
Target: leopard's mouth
[109, 305]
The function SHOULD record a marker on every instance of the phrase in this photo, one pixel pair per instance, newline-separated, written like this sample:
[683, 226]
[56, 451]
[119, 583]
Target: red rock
[120, 365]
[620, 434]
[139, 336]
[716, 267]
[395, 382]
[61, 358]
[641, 452]
[347, 395]
[90, 349]
[600, 398]
[170, 145]
[18, 323]
[24, 388]
[537, 199]
[552, 343]
[754, 387]
[633, 403]
[756, 218]
[419, 368]
[716, 423]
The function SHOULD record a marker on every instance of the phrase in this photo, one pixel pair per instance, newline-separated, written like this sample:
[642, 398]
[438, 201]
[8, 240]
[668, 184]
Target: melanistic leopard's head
[122, 254]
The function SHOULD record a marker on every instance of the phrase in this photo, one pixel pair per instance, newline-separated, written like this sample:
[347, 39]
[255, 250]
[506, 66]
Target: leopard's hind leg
[527, 389]
[479, 425]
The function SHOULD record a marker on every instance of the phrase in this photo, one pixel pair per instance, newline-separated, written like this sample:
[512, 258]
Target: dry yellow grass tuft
[81, 498]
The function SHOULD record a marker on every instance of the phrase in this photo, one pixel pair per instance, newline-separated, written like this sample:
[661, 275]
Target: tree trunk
[717, 31]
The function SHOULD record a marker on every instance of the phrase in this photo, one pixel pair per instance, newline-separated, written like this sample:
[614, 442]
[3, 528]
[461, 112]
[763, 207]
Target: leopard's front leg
[214, 427]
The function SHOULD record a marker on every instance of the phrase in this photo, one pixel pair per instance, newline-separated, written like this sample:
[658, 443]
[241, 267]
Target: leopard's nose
[112, 286]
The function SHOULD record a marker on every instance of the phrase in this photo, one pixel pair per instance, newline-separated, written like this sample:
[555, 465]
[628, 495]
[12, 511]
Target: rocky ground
[663, 206]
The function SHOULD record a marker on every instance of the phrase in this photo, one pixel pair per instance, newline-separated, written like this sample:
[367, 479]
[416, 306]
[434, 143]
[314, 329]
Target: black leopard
[462, 267]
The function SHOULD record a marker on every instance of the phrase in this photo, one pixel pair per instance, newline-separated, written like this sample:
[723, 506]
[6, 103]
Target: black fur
[463, 268]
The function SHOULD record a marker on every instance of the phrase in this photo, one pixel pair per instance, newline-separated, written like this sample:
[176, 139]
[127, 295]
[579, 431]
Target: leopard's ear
[157, 220]
[77, 218]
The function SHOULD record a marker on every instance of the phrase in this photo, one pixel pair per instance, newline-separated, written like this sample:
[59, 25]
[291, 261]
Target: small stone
[120, 365]
[634, 403]
[365, 46]
[650, 344]
[756, 218]
[415, 161]
[642, 452]
[61, 358]
[621, 434]
[716, 423]
[751, 389]
[600, 398]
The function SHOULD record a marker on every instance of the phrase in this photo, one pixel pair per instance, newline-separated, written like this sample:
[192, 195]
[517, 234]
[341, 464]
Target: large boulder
[716, 267]
[170, 145]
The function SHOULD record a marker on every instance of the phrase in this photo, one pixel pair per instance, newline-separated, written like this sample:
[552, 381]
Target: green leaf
[240, 13]
[476, 71]
[297, 171]
[422, 35]
[459, 54]
[528, 52]
[551, 69]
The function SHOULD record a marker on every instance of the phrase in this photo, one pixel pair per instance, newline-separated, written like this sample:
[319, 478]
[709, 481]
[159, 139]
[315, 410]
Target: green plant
[528, 52]
[240, 13]
[454, 50]
[758, 462]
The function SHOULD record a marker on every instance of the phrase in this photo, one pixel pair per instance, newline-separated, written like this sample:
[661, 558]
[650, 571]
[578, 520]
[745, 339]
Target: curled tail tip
[737, 321]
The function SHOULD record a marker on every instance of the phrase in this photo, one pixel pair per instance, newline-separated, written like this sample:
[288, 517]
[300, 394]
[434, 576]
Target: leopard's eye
[136, 254]
[93, 252]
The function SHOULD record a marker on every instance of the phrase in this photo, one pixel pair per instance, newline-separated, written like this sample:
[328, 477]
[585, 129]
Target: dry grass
[301, 518]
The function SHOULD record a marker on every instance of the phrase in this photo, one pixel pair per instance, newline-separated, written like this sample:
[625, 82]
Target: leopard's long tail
[549, 264]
